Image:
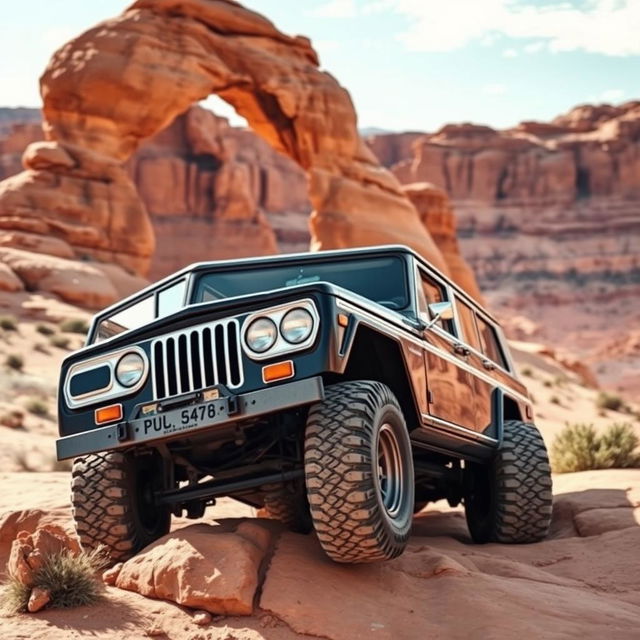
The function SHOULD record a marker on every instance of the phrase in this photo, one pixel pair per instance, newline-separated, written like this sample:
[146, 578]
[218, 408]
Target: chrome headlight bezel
[114, 389]
[276, 314]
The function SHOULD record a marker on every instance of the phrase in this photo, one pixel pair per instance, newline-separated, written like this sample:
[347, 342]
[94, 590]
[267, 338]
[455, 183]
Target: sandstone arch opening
[127, 78]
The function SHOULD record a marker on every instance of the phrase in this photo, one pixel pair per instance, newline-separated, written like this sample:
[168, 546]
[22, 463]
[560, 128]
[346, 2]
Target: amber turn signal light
[278, 371]
[109, 414]
[343, 319]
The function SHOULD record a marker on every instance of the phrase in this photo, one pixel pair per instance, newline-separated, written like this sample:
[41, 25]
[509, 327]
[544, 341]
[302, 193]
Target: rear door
[483, 389]
[449, 382]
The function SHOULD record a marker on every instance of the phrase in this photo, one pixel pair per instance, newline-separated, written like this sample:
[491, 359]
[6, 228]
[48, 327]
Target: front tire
[509, 500]
[359, 473]
[112, 503]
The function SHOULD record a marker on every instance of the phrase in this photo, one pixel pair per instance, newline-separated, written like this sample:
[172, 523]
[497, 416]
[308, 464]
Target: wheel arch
[376, 356]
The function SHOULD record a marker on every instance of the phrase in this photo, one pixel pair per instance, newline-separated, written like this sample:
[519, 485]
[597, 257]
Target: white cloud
[509, 53]
[337, 9]
[496, 89]
[534, 47]
[612, 95]
[608, 27]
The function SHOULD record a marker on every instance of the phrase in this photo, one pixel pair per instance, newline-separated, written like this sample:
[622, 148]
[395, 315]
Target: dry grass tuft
[72, 580]
[75, 325]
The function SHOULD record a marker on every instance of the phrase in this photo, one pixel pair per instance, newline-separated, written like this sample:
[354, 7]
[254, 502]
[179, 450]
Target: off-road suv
[341, 390]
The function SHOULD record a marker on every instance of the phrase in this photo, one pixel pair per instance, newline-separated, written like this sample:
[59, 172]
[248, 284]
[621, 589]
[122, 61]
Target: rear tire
[288, 504]
[112, 501]
[359, 473]
[509, 500]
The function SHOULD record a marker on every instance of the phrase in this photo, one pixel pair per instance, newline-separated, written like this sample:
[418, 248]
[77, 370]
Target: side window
[434, 292]
[171, 299]
[490, 344]
[468, 320]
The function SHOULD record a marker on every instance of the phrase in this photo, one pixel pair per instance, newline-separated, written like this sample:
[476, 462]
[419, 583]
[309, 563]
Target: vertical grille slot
[199, 357]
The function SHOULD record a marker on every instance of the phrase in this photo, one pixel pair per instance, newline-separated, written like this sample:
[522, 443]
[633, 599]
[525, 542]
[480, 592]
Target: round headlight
[261, 335]
[296, 326]
[130, 369]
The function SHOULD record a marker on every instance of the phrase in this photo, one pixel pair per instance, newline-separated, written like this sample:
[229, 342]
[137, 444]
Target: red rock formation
[548, 219]
[438, 217]
[207, 187]
[128, 78]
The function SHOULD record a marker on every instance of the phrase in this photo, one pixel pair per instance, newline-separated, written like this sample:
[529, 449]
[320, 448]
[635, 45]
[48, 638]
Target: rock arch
[128, 77]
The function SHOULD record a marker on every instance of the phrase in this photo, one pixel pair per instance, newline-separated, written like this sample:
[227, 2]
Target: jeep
[339, 390]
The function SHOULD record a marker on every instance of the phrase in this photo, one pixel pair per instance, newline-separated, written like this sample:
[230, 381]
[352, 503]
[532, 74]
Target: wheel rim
[390, 470]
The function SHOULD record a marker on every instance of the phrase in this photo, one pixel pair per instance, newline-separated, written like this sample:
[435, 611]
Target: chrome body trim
[439, 422]
[407, 334]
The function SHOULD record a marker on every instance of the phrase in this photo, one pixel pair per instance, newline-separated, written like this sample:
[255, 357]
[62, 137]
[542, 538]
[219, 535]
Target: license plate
[178, 420]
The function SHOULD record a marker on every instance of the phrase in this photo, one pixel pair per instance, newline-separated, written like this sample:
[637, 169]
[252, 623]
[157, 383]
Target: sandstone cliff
[128, 78]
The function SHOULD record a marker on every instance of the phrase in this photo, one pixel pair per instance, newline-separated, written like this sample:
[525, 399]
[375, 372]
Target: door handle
[461, 350]
[487, 364]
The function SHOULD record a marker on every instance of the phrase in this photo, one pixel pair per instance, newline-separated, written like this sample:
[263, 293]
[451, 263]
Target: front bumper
[192, 418]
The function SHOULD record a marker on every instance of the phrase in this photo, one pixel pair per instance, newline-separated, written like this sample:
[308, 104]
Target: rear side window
[490, 343]
[435, 292]
[468, 320]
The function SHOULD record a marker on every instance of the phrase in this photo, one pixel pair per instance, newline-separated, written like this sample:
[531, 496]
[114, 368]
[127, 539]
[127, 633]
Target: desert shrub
[62, 342]
[8, 323]
[45, 329]
[75, 325]
[37, 407]
[548, 383]
[14, 361]
[70, 579]
[618, 447]
[578, 447]
[527, 371]
[610, 401]
[554, 400]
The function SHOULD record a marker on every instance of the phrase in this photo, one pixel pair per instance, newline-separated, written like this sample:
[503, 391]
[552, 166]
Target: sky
[408, 64]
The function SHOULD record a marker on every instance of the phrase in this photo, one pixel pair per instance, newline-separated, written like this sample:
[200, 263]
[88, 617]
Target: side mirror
[440, 311]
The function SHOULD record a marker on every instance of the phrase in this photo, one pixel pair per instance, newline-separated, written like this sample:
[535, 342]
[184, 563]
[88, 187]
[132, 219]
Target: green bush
[62, 342]
[578, 447]
[45, 329]
[75, 325]
[8, 323]
[37, 407]
[14, 361]
[70, 579]
[610, 401]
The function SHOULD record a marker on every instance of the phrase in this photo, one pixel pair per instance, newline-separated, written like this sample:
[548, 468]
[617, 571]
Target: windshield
[380, 279]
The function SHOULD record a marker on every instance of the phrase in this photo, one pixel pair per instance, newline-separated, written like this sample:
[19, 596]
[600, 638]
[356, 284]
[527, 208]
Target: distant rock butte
[548, 218]
[77, 188]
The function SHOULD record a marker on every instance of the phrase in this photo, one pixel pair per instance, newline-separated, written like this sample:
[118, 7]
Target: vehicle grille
[197, 358]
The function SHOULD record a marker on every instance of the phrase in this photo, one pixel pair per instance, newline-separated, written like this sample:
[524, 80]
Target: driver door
[450, 388]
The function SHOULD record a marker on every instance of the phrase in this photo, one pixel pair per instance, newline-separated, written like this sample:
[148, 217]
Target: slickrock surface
[580, 583]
